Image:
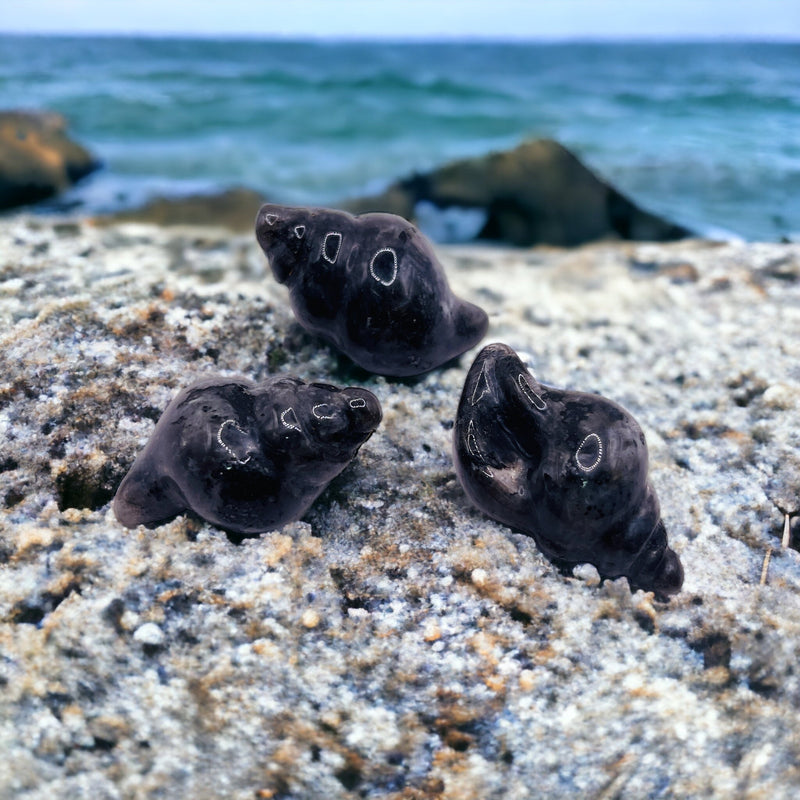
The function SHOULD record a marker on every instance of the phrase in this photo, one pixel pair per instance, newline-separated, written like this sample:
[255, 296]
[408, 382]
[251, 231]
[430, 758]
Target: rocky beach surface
[395, 643]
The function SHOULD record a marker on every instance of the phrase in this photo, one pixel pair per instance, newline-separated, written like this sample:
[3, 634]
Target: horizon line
[688, 38]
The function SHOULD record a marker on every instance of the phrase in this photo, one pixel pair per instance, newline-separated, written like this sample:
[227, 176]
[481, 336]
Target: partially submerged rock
[537, 193]
[37, 158]
[234, 208]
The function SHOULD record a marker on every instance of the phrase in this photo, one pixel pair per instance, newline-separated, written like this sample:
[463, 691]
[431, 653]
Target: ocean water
[707, 134]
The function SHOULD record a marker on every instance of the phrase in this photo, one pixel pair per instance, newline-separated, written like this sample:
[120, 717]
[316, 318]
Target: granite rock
[37, 158]
[395, 642]
[536, 193]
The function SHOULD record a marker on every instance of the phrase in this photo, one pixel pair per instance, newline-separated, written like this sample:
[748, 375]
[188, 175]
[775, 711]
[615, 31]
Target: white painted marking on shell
[587, 448]
[331, 246]
[528, 391]
[299, 231]
[474, 450]
[289, 419]
[319, 411]
[483, 384]
[377, 270]
[271, 218]
[224, 444]
[358, 402]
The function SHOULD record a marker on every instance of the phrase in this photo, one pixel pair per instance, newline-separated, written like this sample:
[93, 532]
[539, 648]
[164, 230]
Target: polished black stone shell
[371, 285]
[246, 457]
[568, 468]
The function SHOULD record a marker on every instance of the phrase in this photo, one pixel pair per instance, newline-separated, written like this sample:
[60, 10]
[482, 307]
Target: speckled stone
[395, 642]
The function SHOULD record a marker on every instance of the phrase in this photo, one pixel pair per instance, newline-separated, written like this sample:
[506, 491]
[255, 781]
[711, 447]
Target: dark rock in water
[371, 285]
[537, 193]
[246, 457]
[234, 209]
[565, 467]
[37, 158]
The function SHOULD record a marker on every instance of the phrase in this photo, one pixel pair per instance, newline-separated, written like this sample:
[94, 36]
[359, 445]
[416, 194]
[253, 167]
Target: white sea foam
[450, 225]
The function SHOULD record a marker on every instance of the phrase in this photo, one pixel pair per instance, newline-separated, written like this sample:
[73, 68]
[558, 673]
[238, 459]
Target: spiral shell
[371, 285]
[246, 457]
[567, 468]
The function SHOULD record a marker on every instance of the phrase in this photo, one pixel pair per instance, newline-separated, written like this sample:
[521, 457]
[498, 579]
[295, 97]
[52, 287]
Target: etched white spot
[331, 246]
[232, 426]
[481, 387]
[358, 402]
[528, 391]
[383, 266]
[475, 451]
[324, 411]
[289, 419]
[271, 218]
[589, 453]
[299, 231]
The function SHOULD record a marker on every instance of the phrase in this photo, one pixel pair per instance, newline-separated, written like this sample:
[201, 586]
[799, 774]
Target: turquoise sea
[707, 134]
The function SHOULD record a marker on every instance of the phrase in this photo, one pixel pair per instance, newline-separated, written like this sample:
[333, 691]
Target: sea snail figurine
[565, 467]
[370, 285]
[246, 457]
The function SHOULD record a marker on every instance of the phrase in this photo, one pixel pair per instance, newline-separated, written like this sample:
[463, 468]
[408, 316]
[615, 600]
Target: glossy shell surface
[569, 469]
[246, 457]
[371, 285]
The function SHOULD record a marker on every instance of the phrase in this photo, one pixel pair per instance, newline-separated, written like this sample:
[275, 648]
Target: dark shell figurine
[246, 457]
[567, 468]
[371, 285]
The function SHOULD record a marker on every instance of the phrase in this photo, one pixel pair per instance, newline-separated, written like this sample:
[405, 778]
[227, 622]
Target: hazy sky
[410, 18]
